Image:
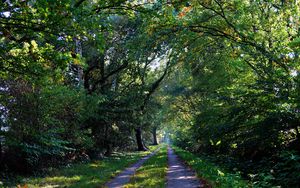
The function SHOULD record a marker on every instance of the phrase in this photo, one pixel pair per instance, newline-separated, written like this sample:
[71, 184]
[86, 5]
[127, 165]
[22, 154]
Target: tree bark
[154, 136]
[107, 143]
[298, 139]
[139, 140]
[108, 149]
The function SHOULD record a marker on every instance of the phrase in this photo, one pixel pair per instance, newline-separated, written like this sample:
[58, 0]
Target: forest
[95, 80]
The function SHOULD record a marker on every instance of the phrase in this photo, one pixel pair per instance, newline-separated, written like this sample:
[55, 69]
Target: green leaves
[295, 43]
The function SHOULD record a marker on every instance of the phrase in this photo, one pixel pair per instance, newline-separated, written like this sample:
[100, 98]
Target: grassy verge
[152, 173]
[208, 171]
[89, 175]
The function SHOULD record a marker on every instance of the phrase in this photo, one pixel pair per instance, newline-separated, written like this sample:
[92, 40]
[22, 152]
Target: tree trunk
[108, 149]
[297, 133]
[298, 139]
[107, 143]
[154, 136]
[139, 140]
[0, 151]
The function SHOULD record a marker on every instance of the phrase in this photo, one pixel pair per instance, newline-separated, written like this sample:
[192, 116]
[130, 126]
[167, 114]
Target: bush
[46, 124]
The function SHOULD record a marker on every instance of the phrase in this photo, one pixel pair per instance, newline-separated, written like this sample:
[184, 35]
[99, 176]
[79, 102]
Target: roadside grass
[88, 175]
[206, 170]
[152, 173]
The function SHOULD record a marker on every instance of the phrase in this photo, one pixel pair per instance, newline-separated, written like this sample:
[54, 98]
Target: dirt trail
[124, 177]
[179, 175]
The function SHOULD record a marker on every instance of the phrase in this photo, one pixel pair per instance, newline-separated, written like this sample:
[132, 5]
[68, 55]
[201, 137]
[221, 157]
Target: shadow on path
[180, 176]
[124, 177]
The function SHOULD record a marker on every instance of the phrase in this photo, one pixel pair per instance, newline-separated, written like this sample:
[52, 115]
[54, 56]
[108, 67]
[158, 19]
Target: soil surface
[179, 175]
[124, 177]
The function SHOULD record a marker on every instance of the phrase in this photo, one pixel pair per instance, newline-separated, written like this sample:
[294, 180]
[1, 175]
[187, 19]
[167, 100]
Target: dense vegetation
[80, 79]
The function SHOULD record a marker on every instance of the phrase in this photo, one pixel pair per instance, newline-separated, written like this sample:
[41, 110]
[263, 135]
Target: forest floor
[83, 175]
[124, 177]
[162, 166]
[174, 173]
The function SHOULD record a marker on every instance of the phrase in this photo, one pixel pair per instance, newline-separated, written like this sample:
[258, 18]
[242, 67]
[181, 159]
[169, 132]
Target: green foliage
[285, 170]
[53, 126]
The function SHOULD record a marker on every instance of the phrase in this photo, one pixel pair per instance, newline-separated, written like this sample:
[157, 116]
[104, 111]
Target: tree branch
[154, 86]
